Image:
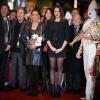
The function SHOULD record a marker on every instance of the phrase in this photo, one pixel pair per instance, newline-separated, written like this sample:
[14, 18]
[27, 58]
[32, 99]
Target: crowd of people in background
[35, 54]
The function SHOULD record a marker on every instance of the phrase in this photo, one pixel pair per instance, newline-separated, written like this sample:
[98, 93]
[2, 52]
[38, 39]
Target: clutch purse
[45, 48]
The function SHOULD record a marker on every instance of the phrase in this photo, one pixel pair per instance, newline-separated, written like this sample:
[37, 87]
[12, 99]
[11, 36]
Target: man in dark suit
[5, 41]
[17, 50]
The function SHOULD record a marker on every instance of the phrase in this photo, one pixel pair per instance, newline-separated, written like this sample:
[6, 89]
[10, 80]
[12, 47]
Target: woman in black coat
[32, 29]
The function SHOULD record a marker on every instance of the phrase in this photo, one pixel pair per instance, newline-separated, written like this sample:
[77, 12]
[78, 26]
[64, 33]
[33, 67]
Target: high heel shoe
[57, 91]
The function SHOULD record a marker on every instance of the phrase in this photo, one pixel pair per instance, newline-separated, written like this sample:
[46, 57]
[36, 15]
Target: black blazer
[16, 38]
[16, 30]
[2, 35]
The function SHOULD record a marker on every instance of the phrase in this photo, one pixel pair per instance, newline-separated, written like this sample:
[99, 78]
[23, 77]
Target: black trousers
[73, 81]
[33, 75]
[3, 59]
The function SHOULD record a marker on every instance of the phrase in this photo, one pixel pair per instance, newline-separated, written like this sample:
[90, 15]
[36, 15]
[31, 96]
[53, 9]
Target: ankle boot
[52, 90]
[32, 92]
[57, 91]
[43, 87]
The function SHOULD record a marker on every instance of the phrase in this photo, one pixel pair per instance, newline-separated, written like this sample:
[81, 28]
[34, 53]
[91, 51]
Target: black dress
[57, 33]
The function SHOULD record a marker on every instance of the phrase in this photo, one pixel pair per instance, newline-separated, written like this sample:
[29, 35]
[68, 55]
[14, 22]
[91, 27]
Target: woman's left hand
[32, 46]
[58, 50]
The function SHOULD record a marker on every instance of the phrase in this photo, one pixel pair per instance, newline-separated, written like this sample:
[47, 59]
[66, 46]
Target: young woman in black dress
[57, 37]
[45, 67]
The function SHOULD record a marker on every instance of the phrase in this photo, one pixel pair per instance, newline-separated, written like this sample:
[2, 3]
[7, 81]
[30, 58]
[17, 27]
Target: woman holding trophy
[32, 39]
[57, 32]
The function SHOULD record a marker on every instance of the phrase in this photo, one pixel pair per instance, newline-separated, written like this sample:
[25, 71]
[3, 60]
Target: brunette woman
[45, 67]
[57, 37]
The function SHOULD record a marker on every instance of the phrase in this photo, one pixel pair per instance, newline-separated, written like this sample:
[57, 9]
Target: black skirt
[60, 54]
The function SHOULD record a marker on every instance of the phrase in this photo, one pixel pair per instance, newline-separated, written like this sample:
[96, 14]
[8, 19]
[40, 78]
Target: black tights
[56, 67]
